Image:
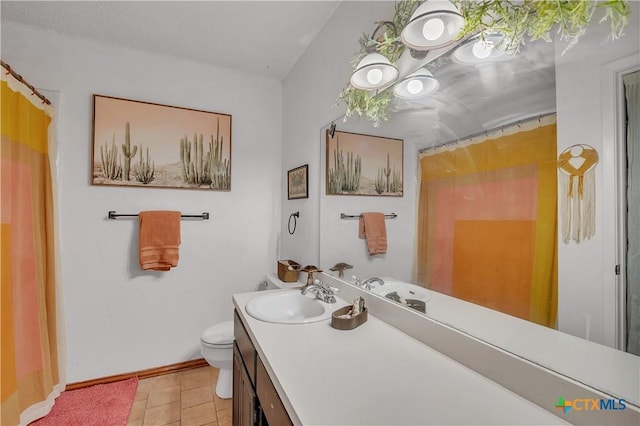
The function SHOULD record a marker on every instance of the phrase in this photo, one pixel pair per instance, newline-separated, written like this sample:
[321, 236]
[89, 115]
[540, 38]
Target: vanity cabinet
[255, 400]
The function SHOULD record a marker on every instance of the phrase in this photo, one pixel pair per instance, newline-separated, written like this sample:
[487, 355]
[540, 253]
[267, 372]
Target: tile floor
[185, 398]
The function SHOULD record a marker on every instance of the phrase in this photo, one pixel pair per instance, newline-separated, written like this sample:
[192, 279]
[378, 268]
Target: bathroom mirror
[472, 99]
[543, 82]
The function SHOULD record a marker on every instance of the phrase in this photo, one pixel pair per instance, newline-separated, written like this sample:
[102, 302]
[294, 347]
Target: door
[630, 243]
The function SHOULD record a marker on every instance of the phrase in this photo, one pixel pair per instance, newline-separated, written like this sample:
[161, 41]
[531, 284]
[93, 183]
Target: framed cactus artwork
[138, 143]
[364, 165]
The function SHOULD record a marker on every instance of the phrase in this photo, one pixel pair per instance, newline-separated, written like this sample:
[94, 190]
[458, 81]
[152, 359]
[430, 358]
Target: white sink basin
[287, 307]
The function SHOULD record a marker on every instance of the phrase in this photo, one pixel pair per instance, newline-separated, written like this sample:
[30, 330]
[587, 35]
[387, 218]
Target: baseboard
[142, 374]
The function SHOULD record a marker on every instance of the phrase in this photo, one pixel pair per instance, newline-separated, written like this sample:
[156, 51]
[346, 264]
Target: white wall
[586, 270]
[119, 318]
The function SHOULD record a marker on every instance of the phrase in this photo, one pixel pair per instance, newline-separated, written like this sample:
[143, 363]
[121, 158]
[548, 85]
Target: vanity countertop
[377, 375]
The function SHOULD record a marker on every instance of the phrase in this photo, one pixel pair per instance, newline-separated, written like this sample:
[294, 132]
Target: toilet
[217, 350]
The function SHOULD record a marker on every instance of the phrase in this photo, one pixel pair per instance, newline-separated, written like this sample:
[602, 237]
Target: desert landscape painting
[364, 165]
[138, 143]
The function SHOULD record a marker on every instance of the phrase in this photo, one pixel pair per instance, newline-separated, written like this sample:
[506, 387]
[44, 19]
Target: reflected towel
[373, 228]
[159, 239]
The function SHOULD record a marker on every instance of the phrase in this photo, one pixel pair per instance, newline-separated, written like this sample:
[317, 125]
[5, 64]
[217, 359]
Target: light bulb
[482, 49]
[374, 76]
[415, 86]
[433, 29]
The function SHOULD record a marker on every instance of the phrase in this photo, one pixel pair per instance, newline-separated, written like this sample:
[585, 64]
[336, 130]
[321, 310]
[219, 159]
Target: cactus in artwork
[345, 174]
[127, 152]
[111, 167]
[379, 182]
[396, 181]
[352, 173]
[387, 172]
[185, 158]
[194, 170]
[219, 168]
[205, 169]
[145, 169]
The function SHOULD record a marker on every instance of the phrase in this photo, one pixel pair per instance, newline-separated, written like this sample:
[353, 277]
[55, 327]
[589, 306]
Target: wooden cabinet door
[244, 397]
[270, 402]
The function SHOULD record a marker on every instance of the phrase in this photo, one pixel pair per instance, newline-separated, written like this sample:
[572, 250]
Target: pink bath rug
[99, 405]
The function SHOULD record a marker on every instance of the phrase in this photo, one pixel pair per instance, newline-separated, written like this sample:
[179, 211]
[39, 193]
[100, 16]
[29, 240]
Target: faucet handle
[326, 287]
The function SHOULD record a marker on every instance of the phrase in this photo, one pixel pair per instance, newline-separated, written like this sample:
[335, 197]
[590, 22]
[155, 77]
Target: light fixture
[479, 49]
[374, 71]
[433, 25]
[416, 85]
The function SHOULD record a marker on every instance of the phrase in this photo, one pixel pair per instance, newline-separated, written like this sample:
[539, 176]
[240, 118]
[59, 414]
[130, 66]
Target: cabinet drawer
[270, 402]
[247, 351]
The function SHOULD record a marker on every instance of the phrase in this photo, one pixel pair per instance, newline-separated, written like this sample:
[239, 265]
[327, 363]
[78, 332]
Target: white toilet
[217, 349]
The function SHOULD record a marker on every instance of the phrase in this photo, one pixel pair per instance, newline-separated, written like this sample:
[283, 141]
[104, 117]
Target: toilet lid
[219, 334]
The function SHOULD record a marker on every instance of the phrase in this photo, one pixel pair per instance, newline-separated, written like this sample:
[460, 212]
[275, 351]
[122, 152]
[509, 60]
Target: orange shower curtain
[487, 221]
[30, 365]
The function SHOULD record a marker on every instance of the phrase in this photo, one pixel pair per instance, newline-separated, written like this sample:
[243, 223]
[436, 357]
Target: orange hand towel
[373, 228]
[159, 239]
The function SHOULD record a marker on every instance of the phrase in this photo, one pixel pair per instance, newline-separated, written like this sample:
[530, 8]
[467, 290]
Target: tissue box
[348, 323]
[288, 275]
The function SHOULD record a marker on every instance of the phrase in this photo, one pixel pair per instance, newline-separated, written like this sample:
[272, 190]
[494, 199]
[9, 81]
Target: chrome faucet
[366, 284]
[322, 292]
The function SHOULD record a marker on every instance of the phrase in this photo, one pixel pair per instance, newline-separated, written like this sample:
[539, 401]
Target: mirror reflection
[499, 105]
[487, 215]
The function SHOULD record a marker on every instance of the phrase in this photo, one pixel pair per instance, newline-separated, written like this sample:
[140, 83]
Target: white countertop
[377, 375]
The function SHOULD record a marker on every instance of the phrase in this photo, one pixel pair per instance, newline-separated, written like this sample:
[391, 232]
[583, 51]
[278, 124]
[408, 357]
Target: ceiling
[264, 37]
[268, 37]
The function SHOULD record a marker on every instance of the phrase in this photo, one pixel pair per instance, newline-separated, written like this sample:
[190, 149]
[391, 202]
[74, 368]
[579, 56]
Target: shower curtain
[487, 220]
[31, 375]
[632, 92]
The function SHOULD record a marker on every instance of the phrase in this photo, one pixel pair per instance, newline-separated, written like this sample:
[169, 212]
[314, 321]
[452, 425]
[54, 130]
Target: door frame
[614, 176]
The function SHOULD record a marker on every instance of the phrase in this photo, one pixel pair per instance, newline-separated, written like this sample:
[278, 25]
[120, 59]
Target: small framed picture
[298, 182]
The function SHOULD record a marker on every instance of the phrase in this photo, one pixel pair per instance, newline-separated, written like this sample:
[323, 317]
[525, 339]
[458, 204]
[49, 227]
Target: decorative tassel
[578, 193]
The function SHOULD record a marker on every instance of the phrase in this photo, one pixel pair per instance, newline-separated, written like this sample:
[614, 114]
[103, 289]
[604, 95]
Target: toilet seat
[220, 334]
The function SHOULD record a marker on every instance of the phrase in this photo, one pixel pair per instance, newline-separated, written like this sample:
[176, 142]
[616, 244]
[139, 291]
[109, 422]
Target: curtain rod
[486, 132]
[23, 81]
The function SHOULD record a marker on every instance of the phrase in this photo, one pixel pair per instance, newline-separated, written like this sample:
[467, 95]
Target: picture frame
[144, 144]
[298, 183]
[358, 164]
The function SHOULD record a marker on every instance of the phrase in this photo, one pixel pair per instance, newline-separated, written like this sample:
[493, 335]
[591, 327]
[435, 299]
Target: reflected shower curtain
[487, 220]
[632, 92]
[30, 365]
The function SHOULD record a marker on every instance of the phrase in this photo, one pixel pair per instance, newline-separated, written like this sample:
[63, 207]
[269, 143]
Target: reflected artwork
[364, 165]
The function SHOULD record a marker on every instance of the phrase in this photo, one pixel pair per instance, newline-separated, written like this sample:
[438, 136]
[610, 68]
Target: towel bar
[356, 216]
[112, 215]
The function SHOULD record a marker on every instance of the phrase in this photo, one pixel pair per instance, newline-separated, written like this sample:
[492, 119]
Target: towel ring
[293, 216]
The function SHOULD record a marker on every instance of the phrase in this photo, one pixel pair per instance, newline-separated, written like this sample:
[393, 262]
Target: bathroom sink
[287, 307]
[404, 293]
